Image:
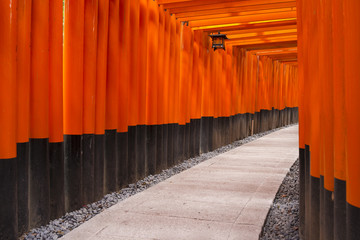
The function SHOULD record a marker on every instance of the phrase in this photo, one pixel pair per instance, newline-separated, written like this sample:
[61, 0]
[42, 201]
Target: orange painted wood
[8, 19]
[90, 56]
[56, 71]
[142, 58]
[39, 82]
[152, 63]
[23, 70]
[101, 70]
[124, 66]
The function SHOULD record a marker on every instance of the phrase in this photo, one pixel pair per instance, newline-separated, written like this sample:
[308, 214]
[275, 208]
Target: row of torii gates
[97, 94]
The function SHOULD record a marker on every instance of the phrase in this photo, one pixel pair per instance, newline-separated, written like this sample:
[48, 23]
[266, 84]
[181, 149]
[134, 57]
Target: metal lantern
[218, 41]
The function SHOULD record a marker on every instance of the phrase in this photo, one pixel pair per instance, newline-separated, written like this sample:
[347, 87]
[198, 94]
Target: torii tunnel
[97, 94]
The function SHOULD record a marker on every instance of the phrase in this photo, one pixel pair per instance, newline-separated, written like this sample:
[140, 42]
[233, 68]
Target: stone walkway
[226, 197]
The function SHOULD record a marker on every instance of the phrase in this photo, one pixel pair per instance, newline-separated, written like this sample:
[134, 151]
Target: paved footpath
[225, 197]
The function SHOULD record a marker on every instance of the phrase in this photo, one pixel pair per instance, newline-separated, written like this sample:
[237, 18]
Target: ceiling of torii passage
[263, 24]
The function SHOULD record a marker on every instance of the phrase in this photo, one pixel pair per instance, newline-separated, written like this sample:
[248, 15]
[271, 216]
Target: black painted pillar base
[140, 151]
[88, 145]
[39, 183]
[204, 134]
[197, 123]
[110, 161]
[211, 133]
[215, 133]
[73, 172]
[339, 209]
[170, 150]
[99, 166]
[132, 164]
[307, 193]
[352, 222]
[302, 192]
[176, 141]
[159, 149]
[322, 209]
[187, 141]
[22, 187]
[8, 199]
[192, 138]
[151, 131]
[165, 145]
[57, 200]
[228, 132]
[315, 208]
[181, 143]
[328, 215]
[122, 159]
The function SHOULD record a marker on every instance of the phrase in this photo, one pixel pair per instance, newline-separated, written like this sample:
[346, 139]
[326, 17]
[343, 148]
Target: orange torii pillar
[339, 121]
[165, 92]
[195, 104]
[100, 97]
[56, 138]
[123, 98]
[133, 89]
[112, 86]
[171, 93]
[160, 156]
[73, 102]
[90, 54]
[352, 96]
[205, 85]
[151, 86]
[142, 63]
[176, 92]
[23, 107]
[39, 115]
[8, 186]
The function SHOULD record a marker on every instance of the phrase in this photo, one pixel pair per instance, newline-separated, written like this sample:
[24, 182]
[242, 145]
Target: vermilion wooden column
[90, 63]
[133, 88]
[39, 115]
[352, 83]
[73, 101]
[142, 61]
[151, 86]
[23, 108]
[112, 86]
[100, 97]
[123, 91]
[8, 180]
[56, 146]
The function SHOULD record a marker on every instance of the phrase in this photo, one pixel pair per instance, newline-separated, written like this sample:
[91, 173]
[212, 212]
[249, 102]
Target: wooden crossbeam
[245, 10]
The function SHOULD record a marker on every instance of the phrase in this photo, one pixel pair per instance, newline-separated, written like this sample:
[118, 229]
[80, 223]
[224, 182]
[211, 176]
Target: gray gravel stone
[59, 227]
[283, 218]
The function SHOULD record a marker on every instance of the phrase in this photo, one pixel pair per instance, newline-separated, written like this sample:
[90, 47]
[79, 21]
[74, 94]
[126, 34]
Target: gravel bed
[283, 218]
[59, 227]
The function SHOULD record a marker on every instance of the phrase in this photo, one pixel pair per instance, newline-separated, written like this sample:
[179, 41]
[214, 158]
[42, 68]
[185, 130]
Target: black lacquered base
[73, 172]
[39, 182]
[99, 166]
[23, 159]
[8, 198]
[110, 164]
[88, 167]
[122, 159]
[57, 199]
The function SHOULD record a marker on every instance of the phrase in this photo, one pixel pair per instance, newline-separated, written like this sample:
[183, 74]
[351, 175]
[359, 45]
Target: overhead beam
[237, 14]
[234, 10]
[265, 44]
[203, 5]
[291, 15]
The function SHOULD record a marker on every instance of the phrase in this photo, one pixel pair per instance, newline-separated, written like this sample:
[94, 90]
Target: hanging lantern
[218, 41]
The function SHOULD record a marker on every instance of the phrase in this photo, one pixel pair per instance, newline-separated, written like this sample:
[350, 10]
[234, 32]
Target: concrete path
[226, 197]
